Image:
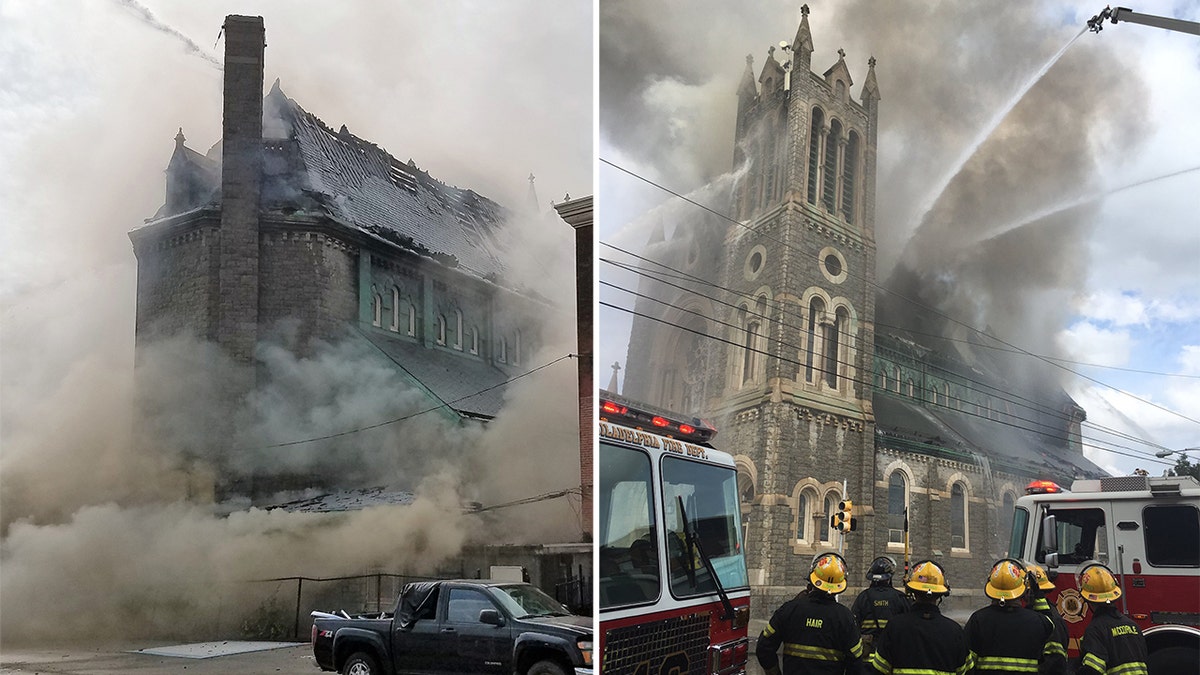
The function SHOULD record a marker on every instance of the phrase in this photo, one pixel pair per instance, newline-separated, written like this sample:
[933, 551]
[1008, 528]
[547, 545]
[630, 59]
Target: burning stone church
[288, 223]
[821, 384]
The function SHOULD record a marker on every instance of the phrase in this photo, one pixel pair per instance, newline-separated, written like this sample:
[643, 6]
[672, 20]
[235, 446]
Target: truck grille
[682, 639]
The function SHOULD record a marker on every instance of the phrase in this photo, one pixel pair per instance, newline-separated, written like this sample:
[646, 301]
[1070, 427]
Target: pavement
[230, 658]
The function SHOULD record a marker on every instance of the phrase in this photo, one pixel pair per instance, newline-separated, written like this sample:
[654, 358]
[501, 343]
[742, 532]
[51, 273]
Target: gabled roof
[360, 184]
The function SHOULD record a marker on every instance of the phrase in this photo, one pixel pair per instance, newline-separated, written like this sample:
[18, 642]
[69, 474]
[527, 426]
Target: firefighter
[1055, 661]
[1111, 643]
[1005, 637]
[921, 640]
[817, 634]
[878, 602]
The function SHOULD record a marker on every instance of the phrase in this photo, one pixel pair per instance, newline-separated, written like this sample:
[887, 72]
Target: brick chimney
[241, 175]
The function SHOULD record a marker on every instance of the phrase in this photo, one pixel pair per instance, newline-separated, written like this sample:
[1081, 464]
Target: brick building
[287, 221]
[813, 392]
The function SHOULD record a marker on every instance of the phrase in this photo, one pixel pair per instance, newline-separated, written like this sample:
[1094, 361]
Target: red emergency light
[1042, 487]
[613, 408]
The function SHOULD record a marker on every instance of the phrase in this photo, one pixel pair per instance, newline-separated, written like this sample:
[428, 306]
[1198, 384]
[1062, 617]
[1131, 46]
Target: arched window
[516, 355]
[912, 388]
[441, 329]
[831, 502]
[816, 309]
[474, 340]
[849, 176]
[897, 505]
[745, 487]
[804, 515]
[834, 337]
[958, 516]
[883, 380]
[896, 377]
[814, 154]
[502, 351]
[458, 330]
[395, 327]
[829, 170]
[412, 320]
[750, 353]
[376, 310]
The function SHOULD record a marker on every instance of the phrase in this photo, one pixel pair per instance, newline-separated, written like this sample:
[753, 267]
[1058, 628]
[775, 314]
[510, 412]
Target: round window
[833, 265]
[756, 261]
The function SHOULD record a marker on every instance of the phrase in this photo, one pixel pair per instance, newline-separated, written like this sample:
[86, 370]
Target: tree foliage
[1185, 467]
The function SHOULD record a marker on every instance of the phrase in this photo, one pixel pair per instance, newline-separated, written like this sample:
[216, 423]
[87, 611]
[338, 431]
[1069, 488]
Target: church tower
[795, 399]
[789, 297]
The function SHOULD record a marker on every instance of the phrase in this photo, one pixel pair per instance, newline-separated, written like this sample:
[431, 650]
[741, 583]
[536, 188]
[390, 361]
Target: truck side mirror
[491, 617]
[1050, 534]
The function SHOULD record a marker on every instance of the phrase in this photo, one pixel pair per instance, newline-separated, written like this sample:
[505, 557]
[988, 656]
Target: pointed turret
[747, 93]
[870, 90]
[531, 199]
[802, 46]
[772, 74]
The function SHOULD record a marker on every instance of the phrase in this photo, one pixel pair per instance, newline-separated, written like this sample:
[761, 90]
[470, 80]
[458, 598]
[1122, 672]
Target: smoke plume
[102, 511]
[943, 70]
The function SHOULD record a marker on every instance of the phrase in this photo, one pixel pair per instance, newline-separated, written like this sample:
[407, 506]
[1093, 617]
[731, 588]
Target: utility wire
[1092, 444]
[994, 391]
[411, 415]
[898, 295]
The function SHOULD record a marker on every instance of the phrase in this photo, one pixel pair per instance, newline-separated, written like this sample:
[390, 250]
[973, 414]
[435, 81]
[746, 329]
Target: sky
[1037, 179]
[92, 95]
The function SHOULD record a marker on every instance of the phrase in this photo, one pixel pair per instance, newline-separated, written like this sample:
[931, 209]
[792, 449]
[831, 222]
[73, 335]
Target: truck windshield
[1016, 545]
[522, 600]
[628, 545]
[710, 499]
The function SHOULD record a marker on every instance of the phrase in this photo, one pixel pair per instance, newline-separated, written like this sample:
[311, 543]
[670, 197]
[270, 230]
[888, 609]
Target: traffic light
[842, 520]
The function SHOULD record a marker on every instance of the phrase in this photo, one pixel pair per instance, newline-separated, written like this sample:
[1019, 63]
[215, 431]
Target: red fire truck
[673, 590]
[1146, 530]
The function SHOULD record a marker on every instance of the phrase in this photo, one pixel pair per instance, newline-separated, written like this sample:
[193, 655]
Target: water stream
[986, 131]
[994, 232]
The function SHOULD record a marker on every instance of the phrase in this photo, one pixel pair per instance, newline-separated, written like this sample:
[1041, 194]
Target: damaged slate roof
[904, 424]
[311, 170]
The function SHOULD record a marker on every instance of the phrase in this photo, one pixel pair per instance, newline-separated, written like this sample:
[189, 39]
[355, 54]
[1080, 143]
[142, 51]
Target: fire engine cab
[1146, 530]
[673, 589]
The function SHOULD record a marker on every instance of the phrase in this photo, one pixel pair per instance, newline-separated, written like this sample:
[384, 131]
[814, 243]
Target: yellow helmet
[1039, 574]
[927, 577]
[1097, 584]
[828, 573]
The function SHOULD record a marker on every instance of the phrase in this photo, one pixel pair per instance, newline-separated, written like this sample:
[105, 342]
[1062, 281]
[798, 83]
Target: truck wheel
[361, 663]
[546, 668]
[1172, 661]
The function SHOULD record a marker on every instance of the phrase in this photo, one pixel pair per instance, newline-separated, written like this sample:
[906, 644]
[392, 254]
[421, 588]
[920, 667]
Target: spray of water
[147, 17]
[986, 131]
[991, 233]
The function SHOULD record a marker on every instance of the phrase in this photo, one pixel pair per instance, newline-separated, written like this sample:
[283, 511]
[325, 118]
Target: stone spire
[802, 46]
[747, 90]
[612, 383]
[870, 90]
[531, 198]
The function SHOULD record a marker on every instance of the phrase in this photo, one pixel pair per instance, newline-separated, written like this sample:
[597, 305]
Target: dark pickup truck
[461, 626]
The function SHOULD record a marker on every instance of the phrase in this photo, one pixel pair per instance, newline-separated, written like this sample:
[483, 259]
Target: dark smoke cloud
[91, 505]
[944, 69]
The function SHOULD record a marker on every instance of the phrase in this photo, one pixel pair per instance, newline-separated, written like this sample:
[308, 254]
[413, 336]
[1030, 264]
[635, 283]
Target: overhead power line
[915, 303]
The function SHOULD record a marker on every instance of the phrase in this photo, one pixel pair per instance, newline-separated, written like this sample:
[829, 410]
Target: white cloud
[1088, 343]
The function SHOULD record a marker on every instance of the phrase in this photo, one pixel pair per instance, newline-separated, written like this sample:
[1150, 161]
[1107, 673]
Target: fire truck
[1146, 530]
[674, 595]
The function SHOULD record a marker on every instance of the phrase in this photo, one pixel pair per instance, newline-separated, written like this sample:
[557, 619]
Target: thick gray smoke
[100, 515]
[944, 69]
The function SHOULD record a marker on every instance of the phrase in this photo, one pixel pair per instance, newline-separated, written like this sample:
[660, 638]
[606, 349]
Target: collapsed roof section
[311, 170]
